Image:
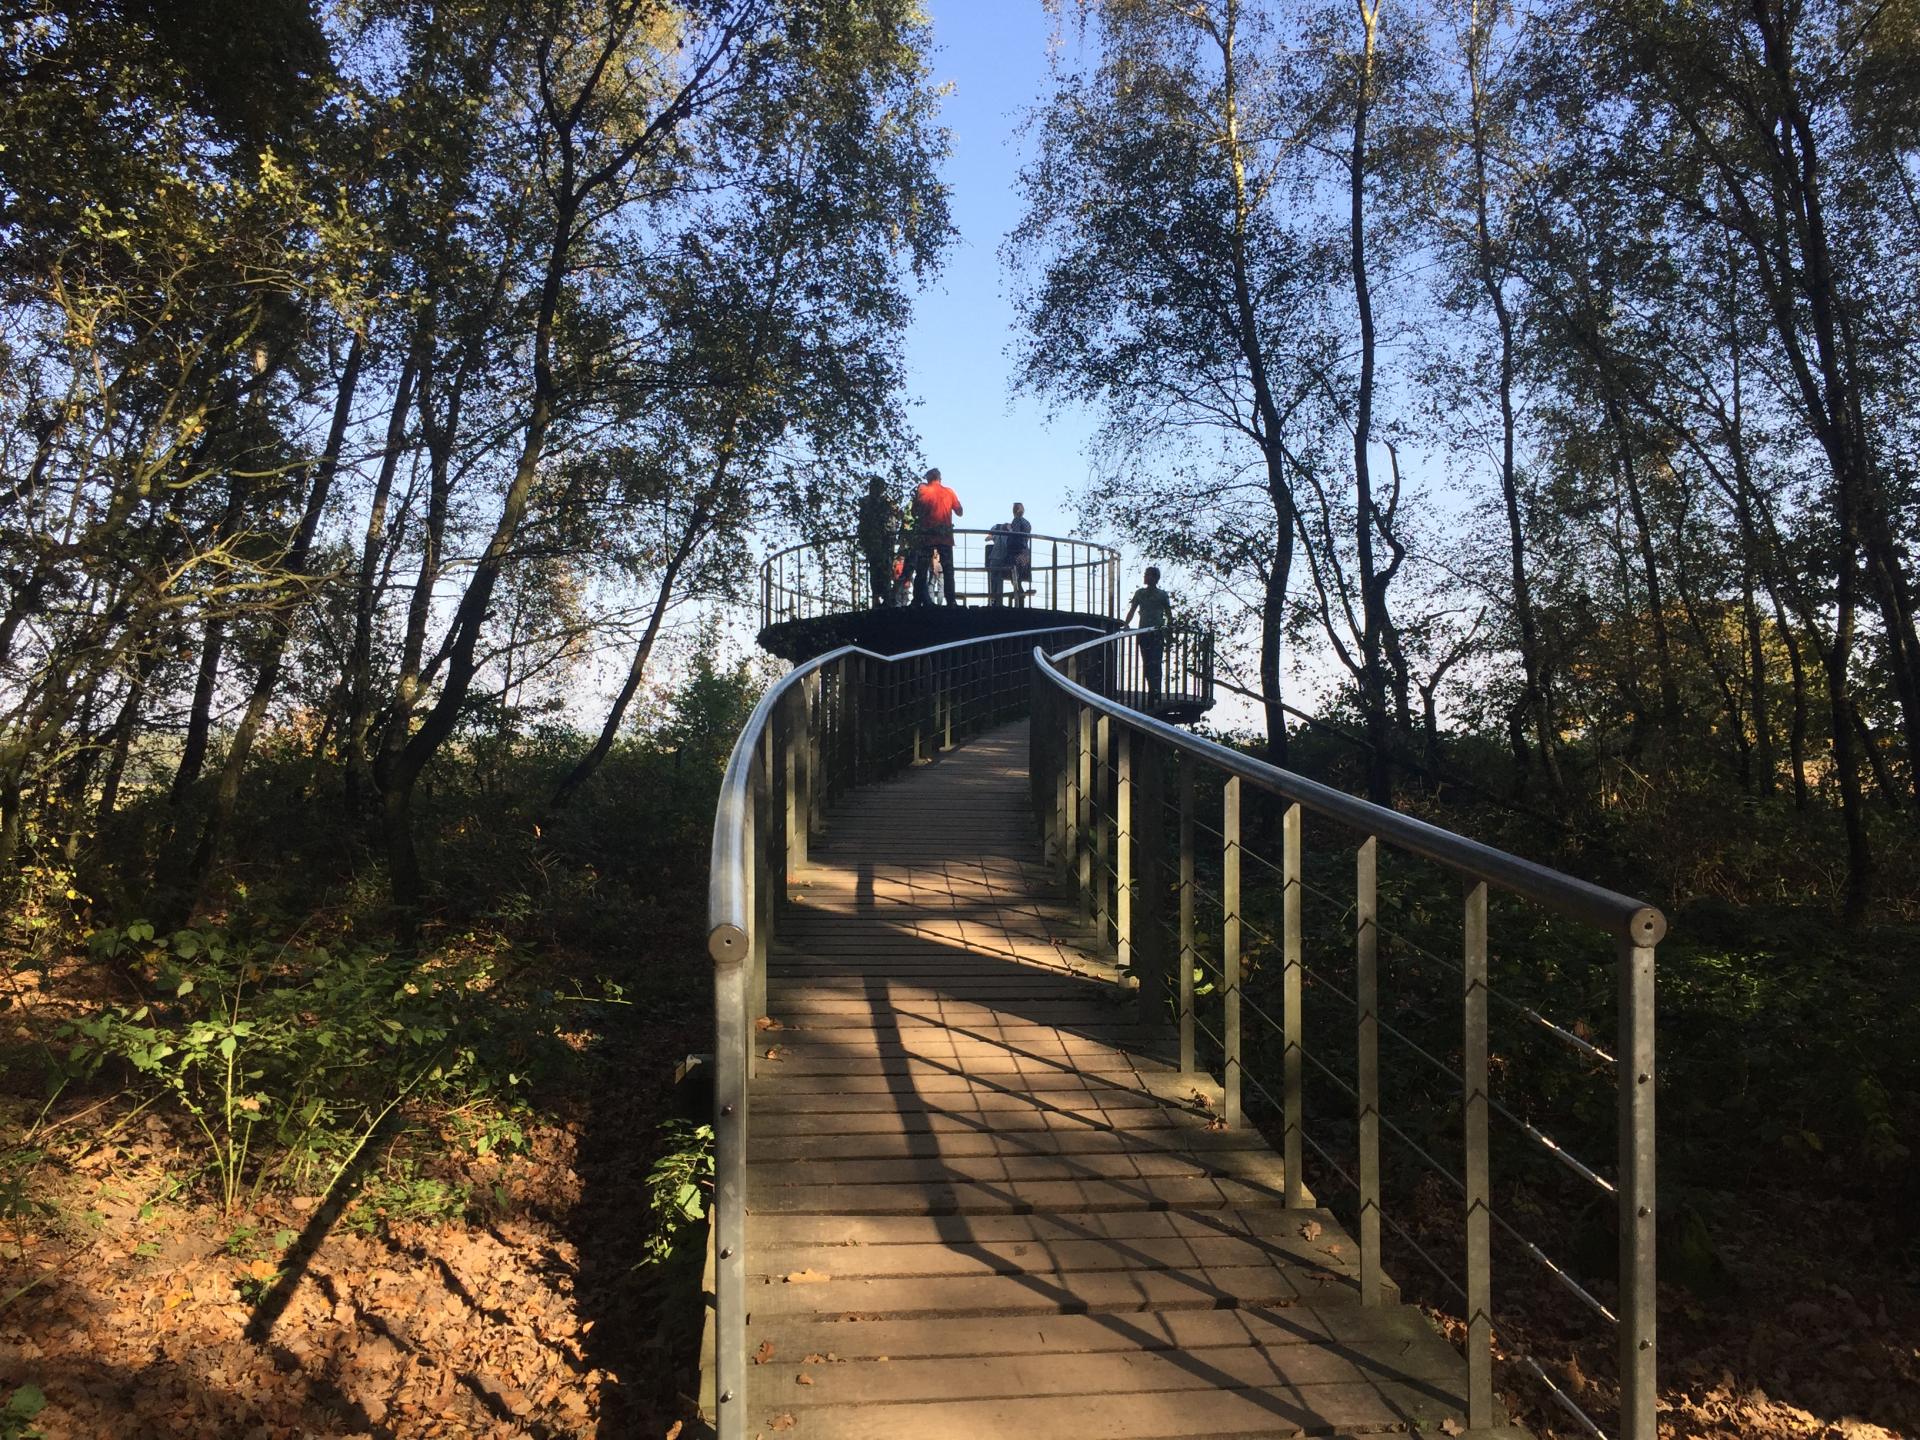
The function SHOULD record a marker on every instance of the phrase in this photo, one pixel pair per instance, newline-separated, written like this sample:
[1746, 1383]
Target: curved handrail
[828, 576]
[728, 919]
[1099, 778]
[1608, 910]
[781, 767]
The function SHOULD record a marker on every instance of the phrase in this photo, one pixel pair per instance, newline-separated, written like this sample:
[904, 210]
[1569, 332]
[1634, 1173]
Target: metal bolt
[726, 1252]
[1644, 1077]
[726, 1109]
[725, 1396]
[1646, 1344]
[1645, 1210]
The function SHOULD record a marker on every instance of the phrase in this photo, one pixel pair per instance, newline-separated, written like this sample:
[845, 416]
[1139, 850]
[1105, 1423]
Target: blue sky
[993, 53]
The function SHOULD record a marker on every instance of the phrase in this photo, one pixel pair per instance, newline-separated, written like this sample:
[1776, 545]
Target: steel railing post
[919, 708]
[1057, 717]
[1123, 839]
[1366, 994]
[1473, 1064]
[793, 764]
[1230, 1074]
[1083, 812]
[1103, 830]
[1149, 827]
[1292, 1157]
[766, 885]
[1638, 1370]
[1189, 955]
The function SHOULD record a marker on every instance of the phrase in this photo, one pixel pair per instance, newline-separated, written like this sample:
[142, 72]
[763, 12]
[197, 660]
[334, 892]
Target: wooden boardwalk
[981, 1201]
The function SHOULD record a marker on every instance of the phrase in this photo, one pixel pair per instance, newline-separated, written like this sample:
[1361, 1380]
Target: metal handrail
[1099, 768]
[828, 576]
[830, 723]
[1619, 915]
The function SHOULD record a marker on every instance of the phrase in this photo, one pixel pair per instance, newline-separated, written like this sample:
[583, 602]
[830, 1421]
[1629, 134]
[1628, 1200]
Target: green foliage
[307, 1049]
[405, 1194]
[679, 1187]
[22, 1405]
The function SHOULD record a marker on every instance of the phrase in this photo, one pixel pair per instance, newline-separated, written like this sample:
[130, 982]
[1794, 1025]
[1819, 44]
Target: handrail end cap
[727, 944]
[1647, 926]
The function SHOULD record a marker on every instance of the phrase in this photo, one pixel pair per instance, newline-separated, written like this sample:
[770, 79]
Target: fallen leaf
[1310, 1230]
[803, 1378]
[764, 1353]
[1451, 1426]
[809, 1276]
[674, 1432]
[260, 1270]
[782, 1421]
[1218, 1122]
[1204, 1101]
[767, 1022]
[773, 1052]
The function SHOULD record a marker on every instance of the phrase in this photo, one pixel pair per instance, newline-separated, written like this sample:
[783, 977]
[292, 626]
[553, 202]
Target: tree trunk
[1273, 620]
[1373, 680]
[296, 565]
[1797, 728]
[359, 678]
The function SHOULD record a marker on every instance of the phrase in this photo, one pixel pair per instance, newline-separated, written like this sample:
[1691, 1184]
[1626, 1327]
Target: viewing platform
[817, 596]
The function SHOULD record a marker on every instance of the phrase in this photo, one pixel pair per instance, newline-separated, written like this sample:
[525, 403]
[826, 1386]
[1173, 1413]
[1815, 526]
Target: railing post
[794, 765]
[1473, 1058]
[1639, 1385]
[946, 693]
[1230, 950]
[1102, 829]
[1123, 836]
[815, 710]
[733, 1042]
[767, 886]
[1057, 718]
[1083, 812]
[1149, 826]
[1292, 1157]
[1366, 992]
[1189, 953]
[919, 707]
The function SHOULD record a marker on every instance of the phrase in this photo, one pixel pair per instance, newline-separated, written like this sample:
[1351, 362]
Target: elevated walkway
[984, 1199]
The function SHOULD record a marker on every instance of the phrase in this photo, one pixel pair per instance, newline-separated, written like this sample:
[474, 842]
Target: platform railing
[1191, 864]
[831, 576]
[842, 719]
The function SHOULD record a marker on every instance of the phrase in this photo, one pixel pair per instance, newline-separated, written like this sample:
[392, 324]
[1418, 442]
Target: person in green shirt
[1156, 613]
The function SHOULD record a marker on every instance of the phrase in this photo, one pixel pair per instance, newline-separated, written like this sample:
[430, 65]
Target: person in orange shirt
[934, 507]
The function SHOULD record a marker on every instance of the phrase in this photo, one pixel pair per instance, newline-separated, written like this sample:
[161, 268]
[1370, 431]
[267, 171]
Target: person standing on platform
[934, 507]
[879, 526]
[1017, 554]
[1156, 613]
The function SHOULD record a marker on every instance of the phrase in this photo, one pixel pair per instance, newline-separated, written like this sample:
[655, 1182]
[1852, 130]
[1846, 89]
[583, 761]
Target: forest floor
[490, 1295]
[456, 1294]
[460, 1288]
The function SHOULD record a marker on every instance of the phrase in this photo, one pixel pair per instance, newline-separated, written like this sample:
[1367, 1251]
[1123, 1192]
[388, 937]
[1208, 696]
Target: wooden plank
[1108, 1373]
[805, 1149]
[775, 1123]
[1055, 1257]
[987, 1197]
[882, 1231]
[1327, 1321]
[1122, 1164]
[1214, 1413]
[1091, 1292]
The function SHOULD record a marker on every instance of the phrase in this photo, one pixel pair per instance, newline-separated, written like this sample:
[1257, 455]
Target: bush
[288, 1059]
